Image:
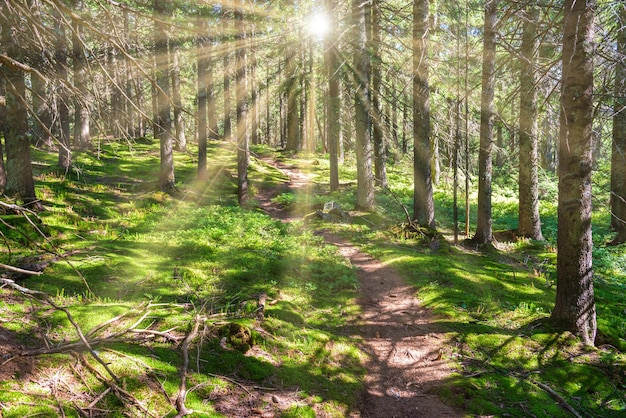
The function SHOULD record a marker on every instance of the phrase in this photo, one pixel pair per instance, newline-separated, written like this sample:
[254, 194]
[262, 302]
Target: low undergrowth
[136, 269]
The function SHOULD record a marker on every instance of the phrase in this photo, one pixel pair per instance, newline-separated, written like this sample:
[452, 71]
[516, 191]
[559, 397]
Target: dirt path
[403, 346]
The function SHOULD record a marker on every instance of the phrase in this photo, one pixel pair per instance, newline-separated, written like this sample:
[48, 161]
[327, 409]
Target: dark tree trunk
[362, 120]
[484, 233]
[179, 122]
[202, 65]
[424, 207]
[575, 309]
[529, 221]
[3, 172]
[227, 71]
[333, 106]
[60, 57]
[378, 139]
[19, 174]
[292, 102]
[167, 181]
[82, 136]
[243, 135]
[618, 152]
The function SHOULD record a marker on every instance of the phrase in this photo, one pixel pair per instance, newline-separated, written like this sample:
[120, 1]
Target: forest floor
[402, 343]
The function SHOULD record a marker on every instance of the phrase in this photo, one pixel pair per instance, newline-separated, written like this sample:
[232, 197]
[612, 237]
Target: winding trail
[404, 348]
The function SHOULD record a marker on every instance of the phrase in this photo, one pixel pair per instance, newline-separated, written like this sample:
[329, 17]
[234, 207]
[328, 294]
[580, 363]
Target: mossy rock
[237, 336]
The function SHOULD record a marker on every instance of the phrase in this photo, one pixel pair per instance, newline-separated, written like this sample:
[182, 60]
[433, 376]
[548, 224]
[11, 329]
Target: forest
[313, 208]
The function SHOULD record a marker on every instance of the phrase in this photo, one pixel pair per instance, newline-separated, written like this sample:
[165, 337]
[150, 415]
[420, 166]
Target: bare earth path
[403, 346]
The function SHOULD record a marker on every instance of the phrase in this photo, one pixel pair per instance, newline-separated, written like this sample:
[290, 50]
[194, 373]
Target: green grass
[159, 260]
[170, 257]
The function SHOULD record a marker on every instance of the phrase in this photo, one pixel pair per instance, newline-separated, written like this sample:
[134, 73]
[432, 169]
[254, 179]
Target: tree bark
[333, 105]
[82, 136]
[227, 71]
[362, 101]
[378, 139]
[60, 58]
[292, 102]
[575, 309]
[618, 152]
[3, 172]
[243, 135]
[202, 64]
[19, 174]
[179, 122]
[529, 220]
[484, 233]
[167, 181]
[423, 204]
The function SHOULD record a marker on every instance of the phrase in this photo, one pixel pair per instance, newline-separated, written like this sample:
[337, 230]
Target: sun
[318, 25]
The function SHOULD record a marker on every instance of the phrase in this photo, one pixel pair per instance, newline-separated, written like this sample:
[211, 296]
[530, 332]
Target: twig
[406, 211]
[120, 393]
[182, 391]
[42, 296]
[561, 401]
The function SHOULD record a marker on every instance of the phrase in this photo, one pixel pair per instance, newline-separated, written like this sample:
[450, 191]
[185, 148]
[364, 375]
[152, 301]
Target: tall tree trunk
[378, 139]
[131, 108]
[60, 57]
[179, 123]
[292, 102]
[618, 152]
[227, 71]
[243, 135]
[254, 88]
[167, 180]
[82, 136]
[529, 221]
[3, 118]
[333, 105]
[362, 102]
[19, 174]
[202, 64]
[484, 233]
[116, 115]
[575, 309]
[424, 207]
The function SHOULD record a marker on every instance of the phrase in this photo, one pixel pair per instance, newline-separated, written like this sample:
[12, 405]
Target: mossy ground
[197, 253]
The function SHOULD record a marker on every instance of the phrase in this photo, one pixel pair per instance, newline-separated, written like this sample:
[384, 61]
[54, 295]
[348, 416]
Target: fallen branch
[560, 400]
[121, 393]
[182, 391]
[44, 297]
[21, 271]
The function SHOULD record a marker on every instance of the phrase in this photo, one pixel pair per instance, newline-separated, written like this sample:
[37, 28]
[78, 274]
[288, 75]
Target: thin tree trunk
[529, 221]
[179, 123]
[618, 152]
[3, 119]
[362, 120]
[243, 135]
[82, 135]
[374, 41]
[167, 181]
[60, 55]
[292, 102]
[227, 71]
[202, 64]
[574, 308]
[333, 105]
[424, 207]
[484, 233]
